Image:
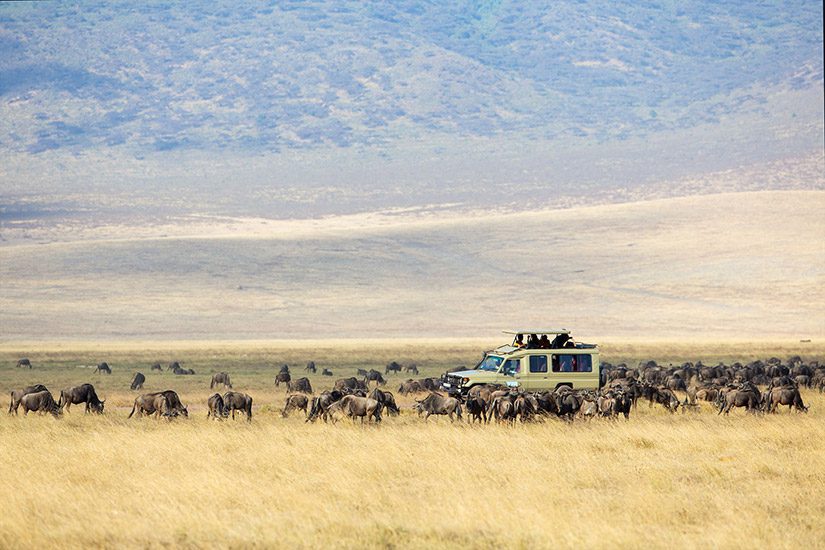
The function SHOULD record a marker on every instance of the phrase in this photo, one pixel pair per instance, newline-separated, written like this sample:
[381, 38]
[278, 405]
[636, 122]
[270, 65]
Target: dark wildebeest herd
[757, 387]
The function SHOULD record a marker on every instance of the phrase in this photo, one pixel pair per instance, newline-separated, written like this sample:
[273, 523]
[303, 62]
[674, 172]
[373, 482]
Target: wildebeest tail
[133, 409]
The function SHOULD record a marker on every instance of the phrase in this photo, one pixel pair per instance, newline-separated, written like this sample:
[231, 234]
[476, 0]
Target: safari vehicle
[541, 364]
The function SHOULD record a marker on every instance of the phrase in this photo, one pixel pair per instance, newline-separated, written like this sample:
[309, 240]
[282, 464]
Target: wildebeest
[525, 407]
[622, 404]
[322, 403]
[476, 409]
[568, 403]
[24, 362]
[216, 407]
[410, 386]
[40, 402]
[220, 378]
[311, 367]
[326, 372]
[173, 366]
[282, 378]
[183, 372]
[166, 403]
[438, 404]
[284, 368]
[387, 400]
[590, 407]
[347, 385]
[392, 366]
[301, 385]
[502, 408]
[103, 367]
[747, 398]
[17, 395]
[361, 372]
[137, 381]
[430, 384]
[411, 367]
[375, 376]
[356, 407]
[156, 366]
[85, 393]
[237, 401]
[295, 402]
[788, 395]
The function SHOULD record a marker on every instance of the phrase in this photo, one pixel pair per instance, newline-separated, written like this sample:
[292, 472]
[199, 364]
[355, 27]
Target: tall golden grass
[660, 479]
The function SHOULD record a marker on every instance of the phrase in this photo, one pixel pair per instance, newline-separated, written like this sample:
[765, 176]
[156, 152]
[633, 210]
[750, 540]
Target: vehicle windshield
[490, 363]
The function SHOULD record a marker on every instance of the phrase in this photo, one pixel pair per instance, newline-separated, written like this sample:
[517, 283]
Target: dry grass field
[658, 480]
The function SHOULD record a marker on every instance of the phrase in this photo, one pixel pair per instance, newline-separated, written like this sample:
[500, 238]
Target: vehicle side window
[512, 366]
[538, 363]
[572, 363]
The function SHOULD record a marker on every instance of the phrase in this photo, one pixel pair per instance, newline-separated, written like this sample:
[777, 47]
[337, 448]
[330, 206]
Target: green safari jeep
[539, 364]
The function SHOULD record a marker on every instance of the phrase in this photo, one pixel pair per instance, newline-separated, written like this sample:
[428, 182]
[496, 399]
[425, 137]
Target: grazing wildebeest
[430, 384]
[361, 372]
[183, 372]
[438, 404]
[295, 402]
[411, 367]
[24, 362]
[301, 385]
[216, 407]
[85, 393]
[166, 403]
[103, 367]
[374, 376]
[173, 366]
[220, 378]
[349, 384]
[392, 366]
[739, 398]
[137, 381]
[356, 407]
[156, 366]
[282, 378]
[387, 400]
[17, 395]
[788, 395]
[233, 400]
[322, 403]
[410, 386]
[311, 367]
[326, 372]
[40, 402]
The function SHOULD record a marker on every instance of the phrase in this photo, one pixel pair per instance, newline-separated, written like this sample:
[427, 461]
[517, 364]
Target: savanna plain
[656, 480]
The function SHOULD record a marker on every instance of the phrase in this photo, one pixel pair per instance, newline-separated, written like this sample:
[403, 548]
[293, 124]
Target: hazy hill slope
[732, 265]
[162, 76]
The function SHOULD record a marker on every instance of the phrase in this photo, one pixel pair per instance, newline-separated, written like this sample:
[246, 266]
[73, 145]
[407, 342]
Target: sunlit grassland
[658, 480]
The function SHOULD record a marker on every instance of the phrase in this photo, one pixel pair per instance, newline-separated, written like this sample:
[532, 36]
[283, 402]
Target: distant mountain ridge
[160, 76]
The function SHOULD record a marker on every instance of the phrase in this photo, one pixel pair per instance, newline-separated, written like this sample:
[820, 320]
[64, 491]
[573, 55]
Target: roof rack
[534, 331]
